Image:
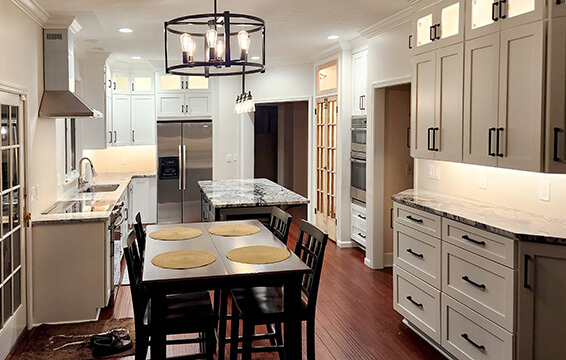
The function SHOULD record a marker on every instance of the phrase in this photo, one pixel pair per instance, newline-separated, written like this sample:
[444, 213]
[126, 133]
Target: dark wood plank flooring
[355, 317]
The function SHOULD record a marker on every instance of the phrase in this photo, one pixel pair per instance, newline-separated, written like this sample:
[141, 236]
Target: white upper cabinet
[359, 82]
[125, 83]
[488, 16]
[120, 83]
[191, 104]
[121, 114]
[142, 84]
[143, 120]
[422, 105]
[438, 25]
[167, 83]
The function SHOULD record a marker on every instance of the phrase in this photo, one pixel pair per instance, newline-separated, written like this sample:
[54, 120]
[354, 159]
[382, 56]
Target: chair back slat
[140, 234]
[310, 248]
[280, 223]
[139, 296]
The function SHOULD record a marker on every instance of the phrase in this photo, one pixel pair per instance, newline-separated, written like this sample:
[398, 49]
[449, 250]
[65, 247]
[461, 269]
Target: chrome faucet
[82, 182]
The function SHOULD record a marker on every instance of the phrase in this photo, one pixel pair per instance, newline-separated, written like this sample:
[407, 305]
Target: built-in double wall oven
[358, 159]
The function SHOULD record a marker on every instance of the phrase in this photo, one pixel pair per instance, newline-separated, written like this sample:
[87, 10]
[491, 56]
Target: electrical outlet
[430, 171]
[544, 190]
[229, 158]
[32, 194]
[408, 168]
[124, 160]
[483, 180]
[436, 173]
[235, 157]
[37, 192]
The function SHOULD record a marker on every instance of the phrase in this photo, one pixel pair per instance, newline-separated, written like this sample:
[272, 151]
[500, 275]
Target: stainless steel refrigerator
[184, 156]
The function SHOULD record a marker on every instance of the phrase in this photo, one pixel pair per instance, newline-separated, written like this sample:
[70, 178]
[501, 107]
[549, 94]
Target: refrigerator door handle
[180, 167]
[184, 167]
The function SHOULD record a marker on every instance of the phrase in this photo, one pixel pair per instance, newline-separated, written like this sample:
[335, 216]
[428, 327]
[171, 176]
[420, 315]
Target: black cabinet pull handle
[467, 338]
[437, 32]
[114, 85]
[132, 87]
[110, 132]
[420, 221]
[489, 141]
[410, 251]
[409, 137]
[466, 237]
[494, 11]
[133, 136]
[361, 216]
[410, 42]
[391, 218]
[499, 130]
[428, 139]
[502, 14]
[432, 34]
[414, 302]
[115, 136]
[434, 147]
[362, 235]
[526, 272]
[556, 132]
[467, 279]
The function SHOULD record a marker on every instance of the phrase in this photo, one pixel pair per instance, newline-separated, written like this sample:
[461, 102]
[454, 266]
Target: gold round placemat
[258, 254]
[176, 233]
[183, 259]
[234, 230]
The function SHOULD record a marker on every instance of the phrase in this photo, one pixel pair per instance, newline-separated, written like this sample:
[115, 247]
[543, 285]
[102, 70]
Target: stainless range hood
[59, 100]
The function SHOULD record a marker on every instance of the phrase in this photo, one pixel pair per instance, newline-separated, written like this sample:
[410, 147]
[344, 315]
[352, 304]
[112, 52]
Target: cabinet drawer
[358, 213]
[359, 234]
[481, 284]
[417, 253]
[418, 302]
[418, 220]
[494, 247]
[467, 335]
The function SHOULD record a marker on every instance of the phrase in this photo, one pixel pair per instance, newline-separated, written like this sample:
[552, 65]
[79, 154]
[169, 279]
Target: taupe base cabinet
[476, 294]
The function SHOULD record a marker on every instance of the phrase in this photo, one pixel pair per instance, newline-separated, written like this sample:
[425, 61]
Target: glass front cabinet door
[438, 25]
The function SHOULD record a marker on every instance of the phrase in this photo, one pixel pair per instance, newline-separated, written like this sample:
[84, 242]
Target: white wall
[281, 82]
[22, 65]
[226, 130]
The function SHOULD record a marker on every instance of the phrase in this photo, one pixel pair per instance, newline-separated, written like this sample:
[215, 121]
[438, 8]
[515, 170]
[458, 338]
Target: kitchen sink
[100, 188]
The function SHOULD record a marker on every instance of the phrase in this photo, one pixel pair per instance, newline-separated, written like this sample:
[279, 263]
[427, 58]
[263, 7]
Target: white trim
[388, 23]
[12, 89]
[367, 262]
[345, 244]
[388, 259]
[33, 10]
[358, 42]
[391, 82]
[332, 52]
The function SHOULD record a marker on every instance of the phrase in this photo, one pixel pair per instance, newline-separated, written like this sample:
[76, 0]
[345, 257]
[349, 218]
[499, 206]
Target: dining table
[222, 274]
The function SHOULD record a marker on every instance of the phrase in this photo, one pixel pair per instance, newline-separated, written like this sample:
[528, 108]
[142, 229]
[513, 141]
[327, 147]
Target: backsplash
[123, 158]
[512, 188]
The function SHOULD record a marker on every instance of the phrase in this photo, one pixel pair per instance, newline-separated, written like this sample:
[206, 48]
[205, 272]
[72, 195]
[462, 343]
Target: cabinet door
[556, 113]
[521, 98]
[482, 18]
[198, 104]
[108, 81]
[422, 105]
[108, 118]
[481, 81]
[541, 312]
[170, 104]
[424, 22]
[558, 8]
[140, 197]
[142, 84]
[359, 73]
[519, 12]
[121, 113]
[166, 83]
[120, 83]
[451, 20]
[143, 120]
[449, 102]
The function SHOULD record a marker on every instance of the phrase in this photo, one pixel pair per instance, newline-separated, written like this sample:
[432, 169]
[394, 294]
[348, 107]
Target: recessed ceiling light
[125, 30]
[255, 57]
[136, 57]
[333, 37]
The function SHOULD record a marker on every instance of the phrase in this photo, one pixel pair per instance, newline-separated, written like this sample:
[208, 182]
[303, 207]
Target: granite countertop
[509, 222]
[104, 198]
[248, 193]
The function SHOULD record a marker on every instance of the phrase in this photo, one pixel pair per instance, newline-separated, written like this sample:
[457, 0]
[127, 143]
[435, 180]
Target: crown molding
[335, 49]
[358, 43]
[33, 10]
[388, 23]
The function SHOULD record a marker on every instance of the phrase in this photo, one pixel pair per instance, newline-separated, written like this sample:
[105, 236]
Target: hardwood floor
[355, 317]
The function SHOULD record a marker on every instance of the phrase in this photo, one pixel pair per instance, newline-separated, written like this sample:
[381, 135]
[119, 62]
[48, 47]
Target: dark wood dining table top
[222, 267]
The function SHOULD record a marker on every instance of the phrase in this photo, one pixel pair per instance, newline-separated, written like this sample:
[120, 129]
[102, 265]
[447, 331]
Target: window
[70, 147]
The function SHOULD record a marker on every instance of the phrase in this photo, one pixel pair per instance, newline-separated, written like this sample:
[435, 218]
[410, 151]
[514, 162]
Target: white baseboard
[367, 262]
[388, 259]
[345, 244]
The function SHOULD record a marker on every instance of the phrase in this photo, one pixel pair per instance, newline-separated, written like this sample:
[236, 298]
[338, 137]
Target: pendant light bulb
[188, 46]
[220, 50]
[211, 37]
[244, 42]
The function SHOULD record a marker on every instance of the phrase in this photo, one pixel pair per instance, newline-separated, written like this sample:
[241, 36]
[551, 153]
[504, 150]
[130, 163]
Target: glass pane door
[450, 21]
[519, 7]
[423, 30]
[480, 18]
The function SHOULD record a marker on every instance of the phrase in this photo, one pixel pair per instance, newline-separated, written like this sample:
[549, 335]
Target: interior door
[326, 165]
[169, 177]
[197, 164]
[12, 284]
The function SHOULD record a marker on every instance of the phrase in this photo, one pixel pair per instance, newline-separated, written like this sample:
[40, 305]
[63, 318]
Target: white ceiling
[296, 30]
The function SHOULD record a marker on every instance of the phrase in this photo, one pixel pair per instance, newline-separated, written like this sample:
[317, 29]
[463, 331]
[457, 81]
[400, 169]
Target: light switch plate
[229, 158]
[124, 160]
[483, 180]
[235, 157]
[544, 190]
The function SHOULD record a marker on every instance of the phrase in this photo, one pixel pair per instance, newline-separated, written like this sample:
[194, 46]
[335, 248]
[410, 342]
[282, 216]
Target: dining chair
[140, 234]
[264, 305]
[280, 223]
[185, 314]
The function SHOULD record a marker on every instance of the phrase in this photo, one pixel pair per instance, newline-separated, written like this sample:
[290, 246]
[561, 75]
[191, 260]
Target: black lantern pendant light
[207, 42]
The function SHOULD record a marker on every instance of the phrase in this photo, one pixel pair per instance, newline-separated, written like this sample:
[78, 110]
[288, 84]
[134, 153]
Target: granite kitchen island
[244, 199]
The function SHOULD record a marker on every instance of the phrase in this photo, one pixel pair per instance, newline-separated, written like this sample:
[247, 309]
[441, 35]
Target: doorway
[281, 144]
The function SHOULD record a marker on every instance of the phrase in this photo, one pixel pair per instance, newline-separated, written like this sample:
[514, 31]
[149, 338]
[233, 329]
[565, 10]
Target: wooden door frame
[376, 165]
